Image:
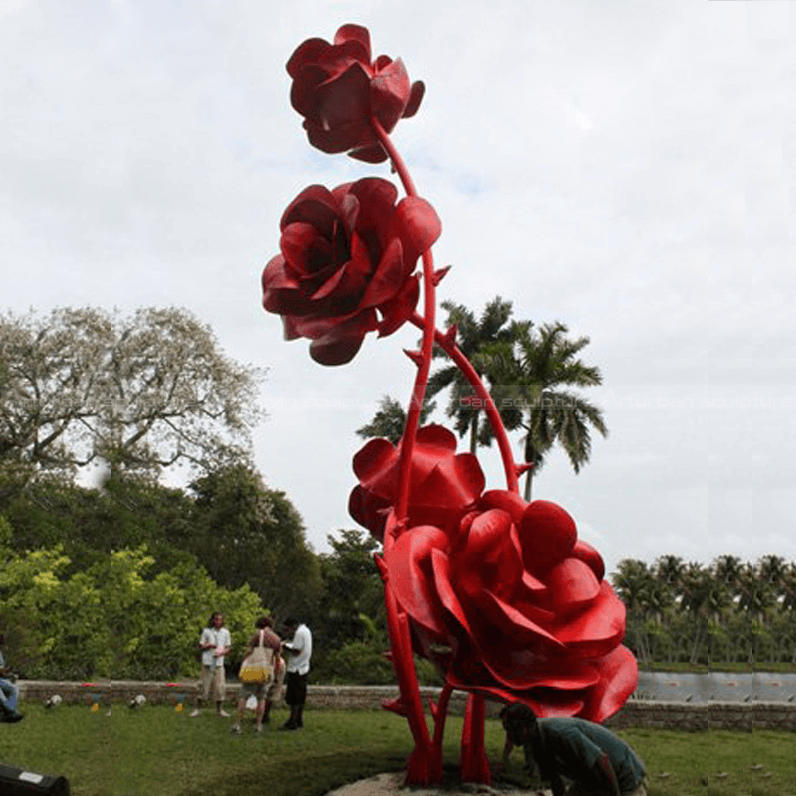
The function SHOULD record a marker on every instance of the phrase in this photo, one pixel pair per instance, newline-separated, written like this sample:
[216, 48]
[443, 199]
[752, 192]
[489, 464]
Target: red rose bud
[338, 89]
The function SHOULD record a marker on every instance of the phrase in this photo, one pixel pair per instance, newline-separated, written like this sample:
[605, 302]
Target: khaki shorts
[213, 683]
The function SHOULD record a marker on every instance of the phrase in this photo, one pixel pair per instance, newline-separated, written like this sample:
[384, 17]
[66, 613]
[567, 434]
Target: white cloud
[623, 167]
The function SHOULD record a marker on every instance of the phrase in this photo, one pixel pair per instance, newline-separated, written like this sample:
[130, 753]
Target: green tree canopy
[115, 619]
[245, 533]
[139, 392]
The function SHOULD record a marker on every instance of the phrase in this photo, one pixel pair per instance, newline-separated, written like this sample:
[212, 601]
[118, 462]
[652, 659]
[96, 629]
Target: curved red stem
[461, 361]
[427, 345]
[422, 766]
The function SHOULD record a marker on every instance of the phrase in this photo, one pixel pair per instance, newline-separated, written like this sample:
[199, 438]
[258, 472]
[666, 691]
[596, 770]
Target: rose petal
[355, 34]
[518, 626]
[503, 499]
[445, 488]
[289, 328]
[412, 578]
[415, 98]
[524, 669]
[305, 251]
[572, 584]
[308, 52]
[369, 511]
[346, 282]
[398, 311]
[618, 672]
[436, 436]
[547, 535]
[276, 276]
[371, 463]
[586, 553]
[284, 302]
[348, 213]
[315, 205]
[487, 538]
[388, 278]
[442, 580]
[333, 140]
[596, 630]
[336, 109]
[343, 99]
[342, 343]
[373, 153]
[545, 705]
[377, 204]
[418, 226]
[315, 325]
[389, 93]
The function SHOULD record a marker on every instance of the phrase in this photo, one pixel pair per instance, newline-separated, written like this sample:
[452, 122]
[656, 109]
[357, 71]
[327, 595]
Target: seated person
[8, 692]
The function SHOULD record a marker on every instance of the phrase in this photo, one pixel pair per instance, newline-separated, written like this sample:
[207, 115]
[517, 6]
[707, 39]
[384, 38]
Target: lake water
[717, 687]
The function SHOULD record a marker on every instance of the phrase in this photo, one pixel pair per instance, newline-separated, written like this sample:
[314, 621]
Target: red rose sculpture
[337, 89]
[347, 265]
[500, 593]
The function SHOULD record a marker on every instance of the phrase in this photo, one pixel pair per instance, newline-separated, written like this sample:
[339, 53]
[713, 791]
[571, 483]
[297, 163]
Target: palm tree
[390, 419]
[698, 592]
[529, 378]
[788, 607]
[757, 597]
[635, 584]
[472, 335]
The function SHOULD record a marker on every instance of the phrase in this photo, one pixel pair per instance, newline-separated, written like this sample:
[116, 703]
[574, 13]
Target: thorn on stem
[415, 356]
[440, 274]
[450, 335]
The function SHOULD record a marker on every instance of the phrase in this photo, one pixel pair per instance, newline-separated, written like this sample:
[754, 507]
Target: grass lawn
[157, 751]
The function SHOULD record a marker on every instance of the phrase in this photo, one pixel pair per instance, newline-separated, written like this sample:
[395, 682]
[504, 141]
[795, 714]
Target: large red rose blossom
[501, 594]
[346, 265]
[338, 89]
[444, 484]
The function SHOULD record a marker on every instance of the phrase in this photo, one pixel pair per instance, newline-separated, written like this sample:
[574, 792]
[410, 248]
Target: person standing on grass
[274, 690]
[264, 637]
[298, 652]
[592, 758]
[214, 642]
[8, 691]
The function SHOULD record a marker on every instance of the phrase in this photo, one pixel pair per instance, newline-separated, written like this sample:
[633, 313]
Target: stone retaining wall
[635, 713]
[711, 715]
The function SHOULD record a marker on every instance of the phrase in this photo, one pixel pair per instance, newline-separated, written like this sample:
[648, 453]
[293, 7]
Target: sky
[626, 168]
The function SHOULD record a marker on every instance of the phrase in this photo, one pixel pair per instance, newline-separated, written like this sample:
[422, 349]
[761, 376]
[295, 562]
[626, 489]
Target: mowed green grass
[157, 751]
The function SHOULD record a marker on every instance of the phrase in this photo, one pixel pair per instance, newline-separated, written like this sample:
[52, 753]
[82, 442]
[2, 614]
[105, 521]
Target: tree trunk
[697, 644]
[529, 457]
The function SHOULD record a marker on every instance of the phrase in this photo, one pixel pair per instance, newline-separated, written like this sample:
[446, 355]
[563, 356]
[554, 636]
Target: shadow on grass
[319, 774]
[313, 775]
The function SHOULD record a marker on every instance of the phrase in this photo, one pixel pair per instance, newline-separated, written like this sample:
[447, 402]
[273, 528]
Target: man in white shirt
[297, 652]
[214, 642]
